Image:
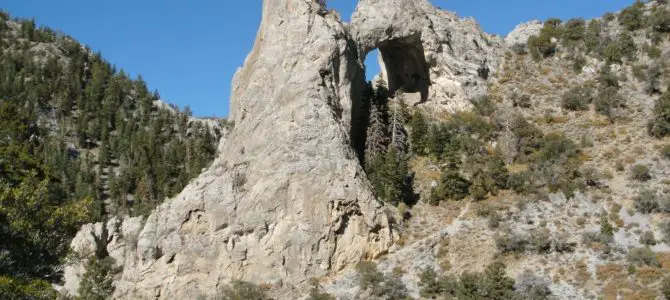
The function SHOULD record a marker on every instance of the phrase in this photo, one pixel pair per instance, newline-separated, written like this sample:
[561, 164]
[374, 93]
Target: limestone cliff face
[444, 60]
[287, 199]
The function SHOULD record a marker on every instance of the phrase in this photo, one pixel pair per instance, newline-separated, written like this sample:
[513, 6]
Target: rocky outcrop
[438, 59]
[522, 32]
[287, 199]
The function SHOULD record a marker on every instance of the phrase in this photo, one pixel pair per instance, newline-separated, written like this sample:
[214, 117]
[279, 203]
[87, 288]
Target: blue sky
[189, 50]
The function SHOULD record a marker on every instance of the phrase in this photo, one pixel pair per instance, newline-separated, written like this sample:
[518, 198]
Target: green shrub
[372, 280]
[521, 182]
[498, 284]
[665, 228]
[606, 229]
[488, 175]
[15, 288]
[483, 105]
[646, 201]
[665, 151]
[648, 239]
[242, 290]
[541, 46]
[654, 52]
[493, 220]
[393, 288]
[509, 242]
[659, 126]
[528, 138]
[556, 148]
[665, 287]
[640, 172]
[522, 101]
[560, 244]
[589, 238]
[643, 256]
[606, 78]
[639, 72]
[592, 38]
[539, 240]
[452, 186]
[608, 102]
[316, 293]
[632, 17]
[369, 276]
[613, 53]
[492, 284]
[97, 282]
[659, 21]
[578, 64]
[520, 49]
[573, 32]
[653, 77]
[429, 285]
[627, 45]
[623, 47]
[609, 17]
[577, 98]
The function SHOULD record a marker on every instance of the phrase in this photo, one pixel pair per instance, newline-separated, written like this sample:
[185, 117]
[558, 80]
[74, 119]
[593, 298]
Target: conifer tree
[419, 132]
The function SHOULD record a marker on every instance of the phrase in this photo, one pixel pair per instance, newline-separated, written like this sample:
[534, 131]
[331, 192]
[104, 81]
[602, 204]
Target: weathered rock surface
[522, 32]
[444, 60]
[287, 199]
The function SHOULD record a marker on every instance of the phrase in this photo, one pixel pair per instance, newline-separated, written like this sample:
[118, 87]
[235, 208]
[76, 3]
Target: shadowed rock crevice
[404, 66]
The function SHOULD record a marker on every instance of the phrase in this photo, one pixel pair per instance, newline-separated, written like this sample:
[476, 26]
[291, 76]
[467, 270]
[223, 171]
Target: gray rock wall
[287, 199]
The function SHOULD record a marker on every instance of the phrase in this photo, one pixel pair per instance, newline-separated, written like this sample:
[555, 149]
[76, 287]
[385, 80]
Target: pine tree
[98, 281]
[397, 130]
[419, 133]
[498, 284]
[377, 136]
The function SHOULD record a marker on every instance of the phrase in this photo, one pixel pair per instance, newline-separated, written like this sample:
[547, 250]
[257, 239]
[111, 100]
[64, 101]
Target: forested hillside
[80, 141]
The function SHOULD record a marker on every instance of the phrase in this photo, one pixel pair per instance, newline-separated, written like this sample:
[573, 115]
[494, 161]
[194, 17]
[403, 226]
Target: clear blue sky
[189, 50]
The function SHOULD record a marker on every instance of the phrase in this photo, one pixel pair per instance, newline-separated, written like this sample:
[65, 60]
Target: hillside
[533, 166]
[80, 142]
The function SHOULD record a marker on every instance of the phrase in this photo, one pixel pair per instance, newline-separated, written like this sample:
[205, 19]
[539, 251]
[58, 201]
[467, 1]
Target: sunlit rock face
[287, 198]
[441, 61]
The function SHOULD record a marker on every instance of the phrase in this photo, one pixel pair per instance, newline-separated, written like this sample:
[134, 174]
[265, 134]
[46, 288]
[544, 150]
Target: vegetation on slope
[80, 141]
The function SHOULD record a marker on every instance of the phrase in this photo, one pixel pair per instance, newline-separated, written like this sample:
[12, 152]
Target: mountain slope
[80, 142]
[473, 167]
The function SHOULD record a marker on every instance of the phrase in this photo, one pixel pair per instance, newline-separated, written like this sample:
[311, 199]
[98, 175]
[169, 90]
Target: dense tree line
[79, 141]
[386, 152]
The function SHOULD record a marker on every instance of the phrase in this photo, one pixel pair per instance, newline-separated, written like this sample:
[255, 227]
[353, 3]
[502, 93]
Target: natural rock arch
[403, 66]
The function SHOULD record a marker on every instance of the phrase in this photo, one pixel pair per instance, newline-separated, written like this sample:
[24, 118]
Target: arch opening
[402, 65]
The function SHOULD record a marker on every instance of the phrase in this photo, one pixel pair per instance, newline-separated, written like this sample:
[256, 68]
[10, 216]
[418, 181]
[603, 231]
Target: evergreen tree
[397, 129]
[419, 128]
[659, 126]
[97, 282]
[377, 136]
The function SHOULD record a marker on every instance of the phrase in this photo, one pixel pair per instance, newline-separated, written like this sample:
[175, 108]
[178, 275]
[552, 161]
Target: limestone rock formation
[523, 31]
[287, 199]
[444, 60]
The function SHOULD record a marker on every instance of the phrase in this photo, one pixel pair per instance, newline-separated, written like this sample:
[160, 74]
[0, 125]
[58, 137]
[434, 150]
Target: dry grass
[664, 259]
[644, 294]
[648, 275]
[582, 276]
[420, 166]
[610, 272]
